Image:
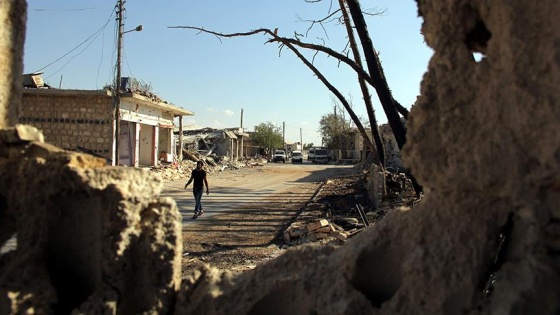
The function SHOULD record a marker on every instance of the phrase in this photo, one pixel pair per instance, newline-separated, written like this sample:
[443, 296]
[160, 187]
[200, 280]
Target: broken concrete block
[90, 229]
[317, 224]
[21, 133]
[339, 235]
[324, 229]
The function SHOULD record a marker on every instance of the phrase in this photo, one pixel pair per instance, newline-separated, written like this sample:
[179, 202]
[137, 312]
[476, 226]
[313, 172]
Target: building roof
[173, 109]
[230, 134]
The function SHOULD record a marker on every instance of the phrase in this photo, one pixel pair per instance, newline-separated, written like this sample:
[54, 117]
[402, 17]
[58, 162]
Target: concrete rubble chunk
[91, 231]
[21, 133]
[317, 225]
[324, 229]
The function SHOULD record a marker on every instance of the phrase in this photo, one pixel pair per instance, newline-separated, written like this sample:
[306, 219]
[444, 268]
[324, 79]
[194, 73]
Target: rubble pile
[341, 209]
[301, 232]
[212, 164]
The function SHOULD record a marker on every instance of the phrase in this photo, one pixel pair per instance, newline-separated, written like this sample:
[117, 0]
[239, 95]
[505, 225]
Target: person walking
[198, 175]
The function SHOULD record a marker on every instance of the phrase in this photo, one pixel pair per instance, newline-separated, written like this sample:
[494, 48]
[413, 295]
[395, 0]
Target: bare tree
[366, 96]
[375, 77]
[376, 71]
[290, 44]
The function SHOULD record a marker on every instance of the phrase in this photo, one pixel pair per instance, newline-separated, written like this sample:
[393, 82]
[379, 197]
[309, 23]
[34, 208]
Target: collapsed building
[483, 141]
[230, 143]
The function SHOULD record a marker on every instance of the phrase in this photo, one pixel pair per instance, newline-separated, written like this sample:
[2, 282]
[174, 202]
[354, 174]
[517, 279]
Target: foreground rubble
[341, 208]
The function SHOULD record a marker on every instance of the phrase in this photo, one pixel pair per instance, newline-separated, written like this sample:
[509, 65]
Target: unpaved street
[230, 190]
[246, 211]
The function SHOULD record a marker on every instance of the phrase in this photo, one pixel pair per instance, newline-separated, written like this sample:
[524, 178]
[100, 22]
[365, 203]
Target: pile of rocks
[301, 232]
[182, 170]
[341, 208]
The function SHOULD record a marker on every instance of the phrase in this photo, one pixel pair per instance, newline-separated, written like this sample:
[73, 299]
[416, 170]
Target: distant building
[232, 143]
[357, 149]
[83, 120]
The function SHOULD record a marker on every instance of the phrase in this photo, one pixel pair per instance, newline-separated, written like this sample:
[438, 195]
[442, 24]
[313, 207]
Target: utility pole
[301, 139]
[241, 130]
[241, 125]
[117, 114]
[284, 135]
[117, 120]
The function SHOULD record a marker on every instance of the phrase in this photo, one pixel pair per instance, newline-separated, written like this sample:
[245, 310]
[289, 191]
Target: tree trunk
[376, 73]
[367, 97]
[380, 83]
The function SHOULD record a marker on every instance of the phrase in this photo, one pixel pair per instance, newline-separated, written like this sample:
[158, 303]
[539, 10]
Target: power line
[100, 61]
[94, 35]
[61, 10]
[64, 66]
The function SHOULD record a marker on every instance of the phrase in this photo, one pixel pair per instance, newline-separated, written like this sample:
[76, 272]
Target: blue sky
[216, 79]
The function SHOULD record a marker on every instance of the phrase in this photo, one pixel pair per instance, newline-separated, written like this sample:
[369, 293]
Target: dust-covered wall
[71, 118]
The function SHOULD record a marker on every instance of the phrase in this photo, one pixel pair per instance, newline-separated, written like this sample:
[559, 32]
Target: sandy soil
[241, 238]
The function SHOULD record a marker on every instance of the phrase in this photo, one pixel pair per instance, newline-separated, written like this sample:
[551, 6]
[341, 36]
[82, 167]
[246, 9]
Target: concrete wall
[69, 119]
[141, 111]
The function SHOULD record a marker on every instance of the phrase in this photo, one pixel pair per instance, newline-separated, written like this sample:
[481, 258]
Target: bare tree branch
[284, 40]
[288, 43]
[326, 19]
[337, 93]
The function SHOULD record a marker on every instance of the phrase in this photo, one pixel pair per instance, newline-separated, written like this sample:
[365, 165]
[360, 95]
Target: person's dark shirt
[198, 178]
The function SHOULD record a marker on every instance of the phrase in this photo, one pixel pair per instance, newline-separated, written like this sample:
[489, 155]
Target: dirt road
[231, 190]
[245, 212]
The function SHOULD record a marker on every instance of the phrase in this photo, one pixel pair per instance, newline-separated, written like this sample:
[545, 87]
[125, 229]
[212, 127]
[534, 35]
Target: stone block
[317, 224]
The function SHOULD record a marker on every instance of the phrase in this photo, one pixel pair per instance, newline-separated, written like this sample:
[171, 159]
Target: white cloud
[228, 112]
[210, 109]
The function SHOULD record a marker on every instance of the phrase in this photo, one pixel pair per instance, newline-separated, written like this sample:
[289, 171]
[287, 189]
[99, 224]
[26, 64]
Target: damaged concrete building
[483, 140]
[83, 120]
[230, 143]
[357, 149]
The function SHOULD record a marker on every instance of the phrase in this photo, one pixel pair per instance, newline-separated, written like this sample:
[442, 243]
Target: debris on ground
[341, 208]
[212, 164]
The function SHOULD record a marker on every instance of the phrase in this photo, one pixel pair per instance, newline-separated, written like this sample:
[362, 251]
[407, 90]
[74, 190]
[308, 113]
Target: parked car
[297, 157]
[279, 156]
